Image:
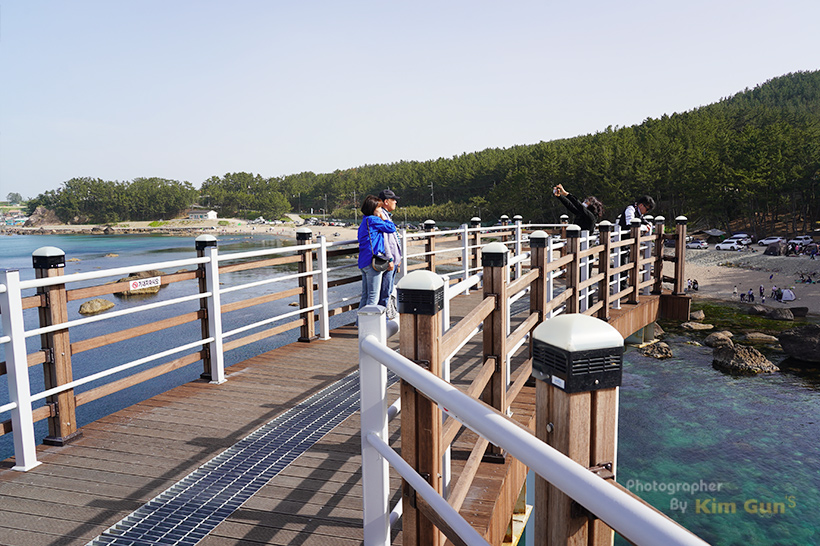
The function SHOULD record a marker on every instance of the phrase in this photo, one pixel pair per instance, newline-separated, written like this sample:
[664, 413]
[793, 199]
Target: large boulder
[780, 314]
[97, 305]
[697, 315]
[719, 339]
[658, 350]
[799, 311]
[802, 342]
[741, 360]
[758, 310]
[42, 217]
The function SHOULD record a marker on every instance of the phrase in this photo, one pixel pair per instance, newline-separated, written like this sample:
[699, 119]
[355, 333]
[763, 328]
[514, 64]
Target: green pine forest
[750, 161]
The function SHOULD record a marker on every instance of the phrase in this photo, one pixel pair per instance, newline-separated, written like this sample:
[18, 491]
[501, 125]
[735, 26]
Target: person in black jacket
[586, 214]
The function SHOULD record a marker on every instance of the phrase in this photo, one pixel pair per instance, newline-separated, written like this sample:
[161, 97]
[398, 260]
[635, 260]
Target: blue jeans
[388, 280]
[371, 286]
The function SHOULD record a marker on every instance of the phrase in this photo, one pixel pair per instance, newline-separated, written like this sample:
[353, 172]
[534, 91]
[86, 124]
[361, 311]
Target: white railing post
[373, 400]
[214, 306]
[22, 420]
[550, 281]
[324, 315]
[518, 234]
[403, 243]
[617, 261]
[445, 374]
[465, 254]
[583, 303]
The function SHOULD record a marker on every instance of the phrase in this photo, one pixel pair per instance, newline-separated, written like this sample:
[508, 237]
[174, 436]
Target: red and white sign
[146, 283]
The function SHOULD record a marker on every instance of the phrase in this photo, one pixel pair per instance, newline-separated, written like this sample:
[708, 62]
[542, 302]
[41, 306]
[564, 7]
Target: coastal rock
[149, 290]
[802, 342]
[697, 315]
[799, 311]
[109, 230]
[659, 331]
[42, 217]
[97, 305]
[759, 337]
[696, 326]
[658, 350]
[758, 310]
[741, 360]
[718, 339]
[780, 314]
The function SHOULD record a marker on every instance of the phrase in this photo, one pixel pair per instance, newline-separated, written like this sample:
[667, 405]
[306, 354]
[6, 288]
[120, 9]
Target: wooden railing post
[605, 266]
[680, 255]
[420, 302]
[213, 362]
[635, 256]
[573, 268]
[308, 330]
[49, 261]
[577, 415]
[430, 245]
[657, 267]
[539, 295]
[494, 260]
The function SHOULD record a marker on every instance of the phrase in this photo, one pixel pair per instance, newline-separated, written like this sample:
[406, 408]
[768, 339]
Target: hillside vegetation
[751, 160]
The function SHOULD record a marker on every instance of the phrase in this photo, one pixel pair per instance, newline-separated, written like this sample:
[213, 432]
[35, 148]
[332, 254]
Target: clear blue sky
[189, 89]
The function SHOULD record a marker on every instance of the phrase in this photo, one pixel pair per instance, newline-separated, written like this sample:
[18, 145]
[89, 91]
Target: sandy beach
[717, 272]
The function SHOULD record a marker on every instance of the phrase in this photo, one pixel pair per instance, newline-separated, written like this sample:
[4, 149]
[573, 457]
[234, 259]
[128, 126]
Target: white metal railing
[14, 333]
[627, 515]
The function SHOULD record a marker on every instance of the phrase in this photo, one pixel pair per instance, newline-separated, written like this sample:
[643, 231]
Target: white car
[729, 245]
[741, 238]
[802, 240]
[697, 243]
[771, 240]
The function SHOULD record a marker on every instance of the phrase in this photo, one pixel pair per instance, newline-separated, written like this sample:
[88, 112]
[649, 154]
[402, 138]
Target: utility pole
[325, 206]
[355, 211]
[432, 200]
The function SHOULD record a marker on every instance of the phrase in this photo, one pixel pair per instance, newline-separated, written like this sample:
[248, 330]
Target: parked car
[697, 243]
[771, 240]
[802, 240]
[729, 245]
[741, 238]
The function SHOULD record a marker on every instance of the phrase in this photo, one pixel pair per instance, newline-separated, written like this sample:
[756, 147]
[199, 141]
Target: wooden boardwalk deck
[126, 459]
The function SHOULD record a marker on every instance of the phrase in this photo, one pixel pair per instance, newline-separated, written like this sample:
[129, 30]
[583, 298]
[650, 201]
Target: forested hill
[750, 160]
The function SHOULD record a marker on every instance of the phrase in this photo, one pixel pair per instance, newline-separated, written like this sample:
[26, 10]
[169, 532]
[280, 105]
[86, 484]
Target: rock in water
[719, 339]
[97, 305]
[658, 350]
[802, 342]
[696, 326]
[759, 337]
[741, 360]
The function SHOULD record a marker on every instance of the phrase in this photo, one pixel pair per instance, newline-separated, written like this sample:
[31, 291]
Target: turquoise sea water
[684, 427]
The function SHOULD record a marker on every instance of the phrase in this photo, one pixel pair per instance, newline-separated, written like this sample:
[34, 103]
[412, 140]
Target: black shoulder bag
[380, 261]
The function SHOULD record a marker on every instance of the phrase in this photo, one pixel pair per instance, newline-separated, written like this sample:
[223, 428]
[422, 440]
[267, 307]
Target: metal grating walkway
[186, 512]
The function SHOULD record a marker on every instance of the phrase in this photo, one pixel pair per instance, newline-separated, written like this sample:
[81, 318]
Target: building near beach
[202, 215]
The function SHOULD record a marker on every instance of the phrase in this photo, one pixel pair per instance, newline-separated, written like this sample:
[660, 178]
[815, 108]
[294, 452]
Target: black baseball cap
[384, 195]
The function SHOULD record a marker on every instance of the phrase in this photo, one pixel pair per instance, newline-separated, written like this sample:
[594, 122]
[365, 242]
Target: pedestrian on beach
[774, 291]
[742, 297]
[750, 296]
[734, 292]
[389, 203]
[371, 243]
[587, 213]
[762, 291]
